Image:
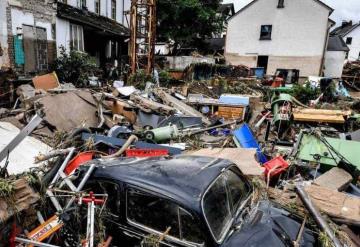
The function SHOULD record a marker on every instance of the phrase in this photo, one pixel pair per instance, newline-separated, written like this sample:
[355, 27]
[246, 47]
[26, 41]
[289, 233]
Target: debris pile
[297, 160]
[351, 74]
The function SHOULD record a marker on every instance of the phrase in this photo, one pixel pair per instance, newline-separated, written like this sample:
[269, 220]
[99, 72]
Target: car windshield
[222, 200]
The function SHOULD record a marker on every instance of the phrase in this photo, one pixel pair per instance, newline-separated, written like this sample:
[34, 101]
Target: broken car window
[222, 200]
[153, 212]
[112, 205]
[159, 214]
[190, 230]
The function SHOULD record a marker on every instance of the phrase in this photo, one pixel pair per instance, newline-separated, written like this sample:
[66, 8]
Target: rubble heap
[297, 160]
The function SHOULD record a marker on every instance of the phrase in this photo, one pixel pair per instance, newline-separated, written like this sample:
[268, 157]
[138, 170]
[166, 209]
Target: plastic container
[247, 140]
[77, 161]
[276, 166]
[146, 152]
[259, 72]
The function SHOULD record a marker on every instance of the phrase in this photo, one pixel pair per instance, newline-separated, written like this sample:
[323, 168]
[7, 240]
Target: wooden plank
[320, 115]
[180, 106]
[318, 118]
[70, 110]
[288, 200]
[231, 112]
[339, 206]
[335, 179]
[243, 158]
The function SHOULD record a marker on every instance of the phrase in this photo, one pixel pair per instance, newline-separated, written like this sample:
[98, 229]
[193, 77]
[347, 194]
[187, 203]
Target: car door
[161, 220]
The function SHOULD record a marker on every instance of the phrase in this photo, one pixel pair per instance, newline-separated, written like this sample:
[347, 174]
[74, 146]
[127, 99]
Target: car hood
[269, 226]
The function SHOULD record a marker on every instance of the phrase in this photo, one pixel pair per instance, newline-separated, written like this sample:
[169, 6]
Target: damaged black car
[189, 201]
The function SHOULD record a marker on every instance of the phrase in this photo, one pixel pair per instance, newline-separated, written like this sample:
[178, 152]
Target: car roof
[181, 178]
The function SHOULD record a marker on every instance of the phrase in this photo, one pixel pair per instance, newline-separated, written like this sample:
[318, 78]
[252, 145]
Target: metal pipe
[34, 122]
[32, 242]
[62, 167]
[81, 185]
[324, 226]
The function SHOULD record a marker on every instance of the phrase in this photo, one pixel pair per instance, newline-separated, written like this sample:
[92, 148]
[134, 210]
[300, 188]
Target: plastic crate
[146, 152]
[276, 166]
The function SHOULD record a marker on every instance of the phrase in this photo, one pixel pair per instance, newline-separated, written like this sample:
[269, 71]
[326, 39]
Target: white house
[97, 27]
[351, 35]
[287, 34]
[335, 57]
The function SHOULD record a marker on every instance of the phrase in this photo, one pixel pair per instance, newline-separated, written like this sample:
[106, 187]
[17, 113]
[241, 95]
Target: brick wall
[10, 38]
[43, 11]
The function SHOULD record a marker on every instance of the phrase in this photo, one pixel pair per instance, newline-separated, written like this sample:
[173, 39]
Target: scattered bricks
[23, 198]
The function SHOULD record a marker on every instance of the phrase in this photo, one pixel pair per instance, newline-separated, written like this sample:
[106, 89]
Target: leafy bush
[74, 67]
[139, 79]
[305, 93]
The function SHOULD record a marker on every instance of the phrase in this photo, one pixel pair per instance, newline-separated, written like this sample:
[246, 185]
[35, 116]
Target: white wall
[355, 45]
[299, 30]
[20, 18]
[4, 59]
[181, 62]
[105, 8]
[334, 63]
[62, 34]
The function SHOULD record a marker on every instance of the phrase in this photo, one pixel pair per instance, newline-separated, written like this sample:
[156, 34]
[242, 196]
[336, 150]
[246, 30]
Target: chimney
[346, 23]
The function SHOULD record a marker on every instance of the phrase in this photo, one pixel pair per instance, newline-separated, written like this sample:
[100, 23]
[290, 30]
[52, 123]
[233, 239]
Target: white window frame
[113, 7]
[76, 31]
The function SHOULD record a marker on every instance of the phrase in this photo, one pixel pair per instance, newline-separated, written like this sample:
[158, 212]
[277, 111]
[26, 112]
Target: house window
[281, 4]
[265, 33]
[97, 6]
[76, 37]
[81, 3]
[348, 40]
[113, 9]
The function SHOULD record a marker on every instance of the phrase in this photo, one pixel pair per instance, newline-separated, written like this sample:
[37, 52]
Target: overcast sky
[344, 9]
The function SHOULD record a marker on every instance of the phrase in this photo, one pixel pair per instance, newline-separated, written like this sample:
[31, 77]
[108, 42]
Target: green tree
[188, 22]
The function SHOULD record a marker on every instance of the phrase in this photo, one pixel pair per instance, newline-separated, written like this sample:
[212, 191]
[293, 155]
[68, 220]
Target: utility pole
[142, 35]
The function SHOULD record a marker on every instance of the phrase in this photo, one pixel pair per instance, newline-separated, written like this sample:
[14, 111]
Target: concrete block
[335, 179]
